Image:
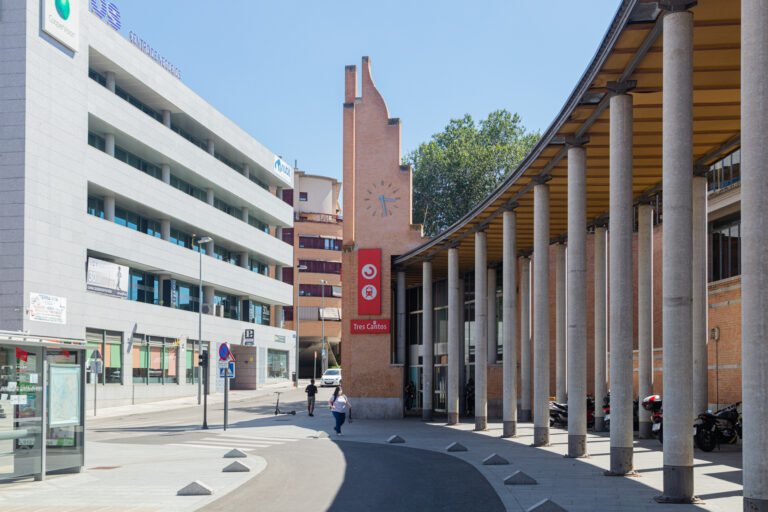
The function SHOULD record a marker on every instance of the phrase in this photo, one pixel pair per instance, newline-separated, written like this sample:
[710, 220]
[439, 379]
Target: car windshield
[332, 372]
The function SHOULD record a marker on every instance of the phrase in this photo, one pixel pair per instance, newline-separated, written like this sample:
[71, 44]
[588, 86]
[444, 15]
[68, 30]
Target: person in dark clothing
[469, 394]
[311, 391]
[410, 392]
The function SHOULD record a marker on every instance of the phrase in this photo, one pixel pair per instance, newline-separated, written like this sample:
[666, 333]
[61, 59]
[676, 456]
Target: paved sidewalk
[188, 401]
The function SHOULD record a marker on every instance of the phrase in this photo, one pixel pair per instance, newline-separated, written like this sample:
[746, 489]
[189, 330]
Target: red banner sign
[370, 326]
[369, 281]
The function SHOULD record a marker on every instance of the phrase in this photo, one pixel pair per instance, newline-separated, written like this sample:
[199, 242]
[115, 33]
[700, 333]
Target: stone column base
[644, 430]
[577, 446]
[755, 505]
[678, 485]
[540, 436]
[481, 422]
[621, 462]
[599, 424]
[510, 429]
[453, 418]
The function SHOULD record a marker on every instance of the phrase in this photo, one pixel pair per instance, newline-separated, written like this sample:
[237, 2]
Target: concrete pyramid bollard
[456, 447]
[495, 460]
[235, 454]
[236, 467]
[546, 505]
[519, 478]
[196, 488]
[395, 439]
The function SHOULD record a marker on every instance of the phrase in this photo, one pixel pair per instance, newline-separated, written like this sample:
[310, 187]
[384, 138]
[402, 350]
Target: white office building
[111, 170]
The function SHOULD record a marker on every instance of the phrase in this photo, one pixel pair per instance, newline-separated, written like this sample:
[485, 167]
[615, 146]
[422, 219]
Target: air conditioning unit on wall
[208, 309]
[220, 310]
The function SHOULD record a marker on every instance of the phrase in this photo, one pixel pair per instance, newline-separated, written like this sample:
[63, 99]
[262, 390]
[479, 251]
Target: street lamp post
[324, 360]
[203, 240]
[299, 268]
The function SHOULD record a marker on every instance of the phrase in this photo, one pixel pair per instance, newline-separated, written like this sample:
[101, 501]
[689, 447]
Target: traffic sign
[323, 353]
[248, 337]
[227, 367]
[223, 352]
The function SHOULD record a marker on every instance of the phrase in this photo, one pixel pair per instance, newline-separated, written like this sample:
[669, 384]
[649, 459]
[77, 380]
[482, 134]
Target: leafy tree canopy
[461, 165]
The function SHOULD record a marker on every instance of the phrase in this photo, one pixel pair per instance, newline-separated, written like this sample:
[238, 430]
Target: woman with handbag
[339, 404]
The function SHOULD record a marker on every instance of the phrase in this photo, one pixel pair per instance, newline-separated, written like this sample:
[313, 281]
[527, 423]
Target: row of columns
[684, 279]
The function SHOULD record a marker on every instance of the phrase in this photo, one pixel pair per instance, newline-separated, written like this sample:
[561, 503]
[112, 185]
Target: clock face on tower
[381, 199]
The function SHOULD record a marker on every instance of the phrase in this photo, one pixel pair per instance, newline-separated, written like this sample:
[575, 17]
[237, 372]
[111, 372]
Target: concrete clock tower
[377, 226]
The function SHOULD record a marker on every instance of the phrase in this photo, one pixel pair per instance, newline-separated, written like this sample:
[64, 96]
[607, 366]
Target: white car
[331, 377]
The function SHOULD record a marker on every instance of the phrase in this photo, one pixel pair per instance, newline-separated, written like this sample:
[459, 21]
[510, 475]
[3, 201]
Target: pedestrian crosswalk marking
[260, 438]
[211, 446]
[239, 441]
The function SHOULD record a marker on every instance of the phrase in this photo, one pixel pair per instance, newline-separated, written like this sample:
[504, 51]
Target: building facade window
[97, 141]
[725, 247]
[303, 196]
[155, 359]
[192, 363]
[316, 290]
[277, 364]
[255, 222]
[228, 208]
[258, 266]
[109, 345]
[138, 163]
[137, 222]
[143, 287]
[319, 242]
[229, 303]
[321, 267]
[259, 313]
[96, 206]
[187, 296]
[189, 189]
[724, 172]
[288, 196]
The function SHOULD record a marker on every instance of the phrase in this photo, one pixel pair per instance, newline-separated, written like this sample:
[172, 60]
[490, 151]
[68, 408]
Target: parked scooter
[653, 403]
[723, 426]
[607, 411]
[558, 412]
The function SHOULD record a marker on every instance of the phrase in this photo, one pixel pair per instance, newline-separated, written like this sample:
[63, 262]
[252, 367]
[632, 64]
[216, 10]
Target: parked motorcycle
[721, 427]
[653, 403]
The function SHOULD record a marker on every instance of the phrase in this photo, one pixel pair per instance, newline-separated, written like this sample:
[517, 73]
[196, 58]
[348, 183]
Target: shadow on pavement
[380, 477]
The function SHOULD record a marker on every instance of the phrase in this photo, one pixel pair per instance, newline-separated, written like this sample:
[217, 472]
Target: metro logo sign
[369, 281]
[370, 326]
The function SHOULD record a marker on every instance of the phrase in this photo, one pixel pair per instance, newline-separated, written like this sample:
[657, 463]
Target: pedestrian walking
[311, 391]
[410, 392]
[469, 394]
[339, 405]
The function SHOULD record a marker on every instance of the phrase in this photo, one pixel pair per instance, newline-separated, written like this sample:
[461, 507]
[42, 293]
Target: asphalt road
[310, 474]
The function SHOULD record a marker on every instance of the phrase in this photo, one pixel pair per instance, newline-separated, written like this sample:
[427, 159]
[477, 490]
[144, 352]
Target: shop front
[42, 390]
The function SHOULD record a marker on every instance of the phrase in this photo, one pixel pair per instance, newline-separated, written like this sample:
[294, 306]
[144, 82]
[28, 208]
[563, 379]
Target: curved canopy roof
[630, 50]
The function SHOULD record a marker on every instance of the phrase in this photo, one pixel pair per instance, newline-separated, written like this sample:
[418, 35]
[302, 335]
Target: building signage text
[369, 281]
[283, 170]
[47, 308]
[370, 326]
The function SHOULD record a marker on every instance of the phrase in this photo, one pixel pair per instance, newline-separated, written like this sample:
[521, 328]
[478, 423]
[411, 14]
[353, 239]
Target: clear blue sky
[277, 68]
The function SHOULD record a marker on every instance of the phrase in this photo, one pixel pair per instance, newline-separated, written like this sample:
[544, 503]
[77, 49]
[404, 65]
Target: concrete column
[208, 297]
[601, 291]
[429, 346]
[577, 302]
[481, 331]
[244, 214]
[509, 324]
[209, 196]
[109, 208]
[165, 229]
[167, 118]
[460, 328]
[700, 335]
[109, 144]
[645, 313]
[166, 173]
[560, 321]
[244, 259]
[401, 318]
[492, 317]
[454, 317]
[754, 264]
[620, 276]
[110, 78]
[525, 340]
[247, 170]
[541, 388]
[677, 287]
[211, 147]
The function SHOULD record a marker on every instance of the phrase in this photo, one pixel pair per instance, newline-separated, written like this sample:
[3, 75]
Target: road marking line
[238, 441]
[190, 445]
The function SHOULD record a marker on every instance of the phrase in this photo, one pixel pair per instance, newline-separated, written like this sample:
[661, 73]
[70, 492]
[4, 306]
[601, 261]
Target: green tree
[458, 167]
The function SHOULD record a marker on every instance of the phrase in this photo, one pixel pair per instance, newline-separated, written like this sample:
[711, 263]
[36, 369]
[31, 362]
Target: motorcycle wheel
[705, 440]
